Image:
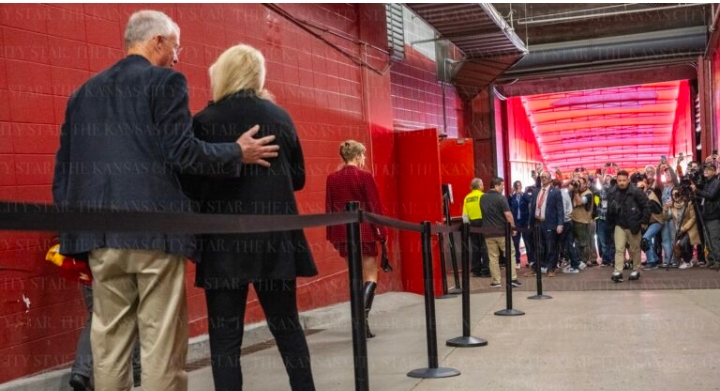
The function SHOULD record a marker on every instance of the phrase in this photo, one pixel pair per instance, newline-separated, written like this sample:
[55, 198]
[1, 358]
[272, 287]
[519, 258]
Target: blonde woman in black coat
[270, 261]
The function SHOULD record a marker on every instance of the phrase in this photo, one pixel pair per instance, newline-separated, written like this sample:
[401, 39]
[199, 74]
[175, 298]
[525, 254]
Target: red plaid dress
[353, 184]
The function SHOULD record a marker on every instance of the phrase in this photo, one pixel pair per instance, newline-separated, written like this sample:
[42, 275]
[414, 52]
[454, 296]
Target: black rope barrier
[376, 219]
[432, 371]
[509, 310]
[357, 306]
[49, 217]
[19, 216]
[538, 271]
[466, 340]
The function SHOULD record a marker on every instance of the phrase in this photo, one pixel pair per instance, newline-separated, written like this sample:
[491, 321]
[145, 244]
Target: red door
[419, 199]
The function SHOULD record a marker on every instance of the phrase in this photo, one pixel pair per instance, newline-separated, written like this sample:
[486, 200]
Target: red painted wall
[683, 130]
[49, 50]
[417, 97]
[715, 72]
[524, 152]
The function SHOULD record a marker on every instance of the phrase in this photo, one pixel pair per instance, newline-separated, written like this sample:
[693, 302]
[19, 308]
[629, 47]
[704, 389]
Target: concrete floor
[598, 340]
[659, 333]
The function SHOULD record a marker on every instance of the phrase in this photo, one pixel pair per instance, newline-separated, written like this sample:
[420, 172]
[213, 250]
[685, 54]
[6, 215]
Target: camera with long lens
[693, 176]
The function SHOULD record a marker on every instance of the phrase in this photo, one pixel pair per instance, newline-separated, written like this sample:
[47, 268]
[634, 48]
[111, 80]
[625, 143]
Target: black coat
[229, 261]
[127, 135]
[629, 208]
[711, 194]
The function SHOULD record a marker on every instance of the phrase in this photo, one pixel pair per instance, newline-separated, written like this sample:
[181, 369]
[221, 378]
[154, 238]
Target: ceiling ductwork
[489, 45]
[684, 44]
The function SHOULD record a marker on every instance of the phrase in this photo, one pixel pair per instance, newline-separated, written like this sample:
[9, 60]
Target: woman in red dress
[351, 183]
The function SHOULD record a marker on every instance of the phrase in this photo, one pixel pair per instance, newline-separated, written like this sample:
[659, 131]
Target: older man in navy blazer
[547, 217]
[127, 135]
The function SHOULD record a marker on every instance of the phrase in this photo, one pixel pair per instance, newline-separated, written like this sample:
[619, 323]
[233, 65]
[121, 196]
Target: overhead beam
[617, 78]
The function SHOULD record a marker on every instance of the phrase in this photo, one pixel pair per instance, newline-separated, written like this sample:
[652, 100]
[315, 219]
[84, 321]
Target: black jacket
[711, 193]
[127, 135]
[229, 261]
[628, 208]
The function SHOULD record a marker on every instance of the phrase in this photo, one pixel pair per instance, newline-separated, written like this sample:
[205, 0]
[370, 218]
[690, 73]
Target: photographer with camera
[582, 201]
[710, 194]
[628, 209]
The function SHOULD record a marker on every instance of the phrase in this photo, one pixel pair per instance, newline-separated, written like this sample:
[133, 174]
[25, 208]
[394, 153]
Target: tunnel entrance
[630, 126]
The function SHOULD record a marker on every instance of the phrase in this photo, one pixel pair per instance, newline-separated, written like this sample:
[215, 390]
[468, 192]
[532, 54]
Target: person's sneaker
[650, 267]
[570, 270]
[80, 383]
[617, 277]
[674, 264]
[517, 266]
[543, 270]
[582, 266]
[516, 283]
[607, 265]
[495, 285]
[685, 265]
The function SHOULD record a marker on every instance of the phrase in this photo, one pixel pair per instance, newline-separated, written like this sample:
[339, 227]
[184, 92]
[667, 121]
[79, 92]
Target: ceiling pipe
[507, 30]
[532, 20]
[674, 42]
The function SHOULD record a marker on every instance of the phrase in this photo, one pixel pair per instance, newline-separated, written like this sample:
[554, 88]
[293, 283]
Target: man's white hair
[146, 24]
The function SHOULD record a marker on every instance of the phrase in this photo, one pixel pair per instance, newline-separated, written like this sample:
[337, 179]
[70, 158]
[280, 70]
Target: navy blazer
[554, 212]
[520, 207]
[127, 135]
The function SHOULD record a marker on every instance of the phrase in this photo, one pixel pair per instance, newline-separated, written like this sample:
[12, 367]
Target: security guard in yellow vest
[480, 265]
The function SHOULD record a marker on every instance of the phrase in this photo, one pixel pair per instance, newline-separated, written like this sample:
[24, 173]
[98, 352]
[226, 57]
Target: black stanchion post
[432, 371]
[466, 340]
[357, 310]
[508, 311]
[451, 240]
[538, 274]
[443, 267]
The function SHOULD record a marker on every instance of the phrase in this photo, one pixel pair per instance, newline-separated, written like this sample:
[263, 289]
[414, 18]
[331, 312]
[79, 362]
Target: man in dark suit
[547, 217]
[127, 135]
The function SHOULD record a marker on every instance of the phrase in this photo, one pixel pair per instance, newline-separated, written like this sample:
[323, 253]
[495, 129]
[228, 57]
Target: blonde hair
[240, 67]
[350, 149]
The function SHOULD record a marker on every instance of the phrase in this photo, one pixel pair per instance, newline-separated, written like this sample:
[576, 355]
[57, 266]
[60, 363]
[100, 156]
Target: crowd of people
[611, 219]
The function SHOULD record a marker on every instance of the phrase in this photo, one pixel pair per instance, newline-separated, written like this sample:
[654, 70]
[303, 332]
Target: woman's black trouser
[226, 313]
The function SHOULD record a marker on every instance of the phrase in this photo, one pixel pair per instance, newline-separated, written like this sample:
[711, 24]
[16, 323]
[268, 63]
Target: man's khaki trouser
[496, 246]
[146, 289]
[622, 237]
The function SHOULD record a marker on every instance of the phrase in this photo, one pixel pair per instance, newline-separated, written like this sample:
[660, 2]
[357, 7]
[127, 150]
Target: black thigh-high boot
[369, 294]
